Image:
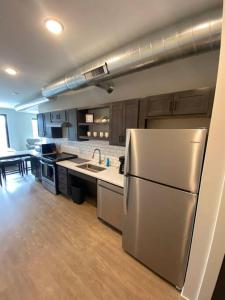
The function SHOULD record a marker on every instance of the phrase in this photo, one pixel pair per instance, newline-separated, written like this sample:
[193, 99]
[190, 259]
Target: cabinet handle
[171, 106]
[175, 105]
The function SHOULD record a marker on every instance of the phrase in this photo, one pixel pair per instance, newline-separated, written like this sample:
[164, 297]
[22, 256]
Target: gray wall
[189, 73]
[19, 126]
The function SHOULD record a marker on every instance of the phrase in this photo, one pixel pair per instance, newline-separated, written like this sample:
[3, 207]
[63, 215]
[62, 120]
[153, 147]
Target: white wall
[208, 245]
[19, 127]
[193, 72]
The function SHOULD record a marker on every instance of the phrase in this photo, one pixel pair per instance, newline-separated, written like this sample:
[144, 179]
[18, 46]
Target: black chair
[11, 166]
[25, 161]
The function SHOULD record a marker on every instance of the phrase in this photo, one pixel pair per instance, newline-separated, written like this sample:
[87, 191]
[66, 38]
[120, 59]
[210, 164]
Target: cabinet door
[41, 125]
[72, 129]
[123, 115]
[48, 130]
[58, 116]
[116, 135]
[36, 168]
[192, 102]
[159, 105]
[62, 180]
[130, 117]
[142, 113]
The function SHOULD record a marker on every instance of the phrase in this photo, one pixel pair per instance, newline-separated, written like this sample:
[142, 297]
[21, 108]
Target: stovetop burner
[58, 157]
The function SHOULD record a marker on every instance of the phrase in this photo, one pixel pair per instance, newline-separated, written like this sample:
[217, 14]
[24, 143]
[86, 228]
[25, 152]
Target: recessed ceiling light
[10, 71]
[54, 26]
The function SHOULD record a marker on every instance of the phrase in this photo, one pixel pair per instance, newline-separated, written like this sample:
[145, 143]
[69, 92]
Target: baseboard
[185, 298]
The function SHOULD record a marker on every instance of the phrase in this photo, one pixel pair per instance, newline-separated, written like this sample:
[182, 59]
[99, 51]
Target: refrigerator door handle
[127, 153]
[125, 196]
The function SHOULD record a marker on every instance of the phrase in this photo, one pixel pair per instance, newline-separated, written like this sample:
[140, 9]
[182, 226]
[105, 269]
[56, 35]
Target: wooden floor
[51, 248]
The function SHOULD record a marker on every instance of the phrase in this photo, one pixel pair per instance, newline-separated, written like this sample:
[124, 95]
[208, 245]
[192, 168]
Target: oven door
[48, 174]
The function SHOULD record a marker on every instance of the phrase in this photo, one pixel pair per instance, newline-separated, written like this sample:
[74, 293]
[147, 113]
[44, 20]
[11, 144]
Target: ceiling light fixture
[10, 71]
[54, 26]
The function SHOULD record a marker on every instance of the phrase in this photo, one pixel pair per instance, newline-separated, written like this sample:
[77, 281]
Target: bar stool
[11, 166]
[25, 161]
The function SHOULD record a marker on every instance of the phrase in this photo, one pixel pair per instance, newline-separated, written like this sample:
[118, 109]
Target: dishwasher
[110, 204]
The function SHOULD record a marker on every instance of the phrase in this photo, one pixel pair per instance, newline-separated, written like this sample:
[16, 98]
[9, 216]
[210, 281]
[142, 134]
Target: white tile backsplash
[85, 149]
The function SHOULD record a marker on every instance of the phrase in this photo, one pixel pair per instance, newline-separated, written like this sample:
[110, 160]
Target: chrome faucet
[100, 156]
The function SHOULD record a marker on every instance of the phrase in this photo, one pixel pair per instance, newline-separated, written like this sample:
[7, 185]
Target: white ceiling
[92, 28]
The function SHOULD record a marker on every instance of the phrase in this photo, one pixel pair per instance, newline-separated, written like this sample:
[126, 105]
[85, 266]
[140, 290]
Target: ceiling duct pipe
[191, 37]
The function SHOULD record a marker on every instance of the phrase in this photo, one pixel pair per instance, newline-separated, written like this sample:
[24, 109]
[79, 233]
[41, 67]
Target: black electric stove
[56, 157]
[49, 169]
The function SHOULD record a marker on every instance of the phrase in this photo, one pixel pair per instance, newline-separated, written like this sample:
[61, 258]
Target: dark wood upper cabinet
[198, 102]
[72, 129]
[130, 115]
[58, 116]
[195, 102]
[48, 130]
[44, 128]
[124, 115]
[41, 125]
[116, 135]
[161, 105]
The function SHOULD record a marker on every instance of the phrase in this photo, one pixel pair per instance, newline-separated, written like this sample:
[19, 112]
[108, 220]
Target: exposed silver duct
[188, 38]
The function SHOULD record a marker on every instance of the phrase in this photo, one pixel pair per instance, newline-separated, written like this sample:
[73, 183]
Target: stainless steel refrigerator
[162, 177]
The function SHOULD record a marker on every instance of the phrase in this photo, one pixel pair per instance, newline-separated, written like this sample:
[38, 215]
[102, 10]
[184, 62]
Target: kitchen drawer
[110, 204]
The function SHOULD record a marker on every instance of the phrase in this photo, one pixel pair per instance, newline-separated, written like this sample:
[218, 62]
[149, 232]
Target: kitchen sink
[92, 168]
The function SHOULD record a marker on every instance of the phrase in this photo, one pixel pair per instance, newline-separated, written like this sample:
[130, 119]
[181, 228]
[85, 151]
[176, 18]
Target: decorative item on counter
[101, 134]
[89, 118]
[95, 134]
[105, 119]
[106, 134]
[88, 133]
[107, 162]
[102, 120]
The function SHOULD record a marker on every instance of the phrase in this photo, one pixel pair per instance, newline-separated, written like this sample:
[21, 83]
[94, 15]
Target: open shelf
[83, 137]
[95, 123]
[99, 113]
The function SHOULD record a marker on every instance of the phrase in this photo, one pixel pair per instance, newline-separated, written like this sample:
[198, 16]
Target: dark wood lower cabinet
[36, 168]
[62, 177]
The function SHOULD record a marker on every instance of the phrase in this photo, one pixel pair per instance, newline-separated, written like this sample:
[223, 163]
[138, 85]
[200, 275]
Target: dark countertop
[16, 154]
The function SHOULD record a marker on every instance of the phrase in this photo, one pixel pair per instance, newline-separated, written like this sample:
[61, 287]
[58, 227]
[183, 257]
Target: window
[4, 136]
[35, 128]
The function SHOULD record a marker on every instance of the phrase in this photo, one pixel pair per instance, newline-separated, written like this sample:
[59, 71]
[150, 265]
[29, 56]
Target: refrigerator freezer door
[158, 228]
[170, 156]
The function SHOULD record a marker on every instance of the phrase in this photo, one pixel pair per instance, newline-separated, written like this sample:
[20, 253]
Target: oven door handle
[47, 164]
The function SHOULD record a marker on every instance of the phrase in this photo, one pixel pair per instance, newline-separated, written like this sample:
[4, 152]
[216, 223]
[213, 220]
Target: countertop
[13, 153]
[110, 175]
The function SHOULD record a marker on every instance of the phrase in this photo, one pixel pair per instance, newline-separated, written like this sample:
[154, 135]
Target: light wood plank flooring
[51, 248]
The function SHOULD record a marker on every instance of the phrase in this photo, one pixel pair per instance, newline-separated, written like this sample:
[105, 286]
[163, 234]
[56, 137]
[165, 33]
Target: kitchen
[110, 137]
